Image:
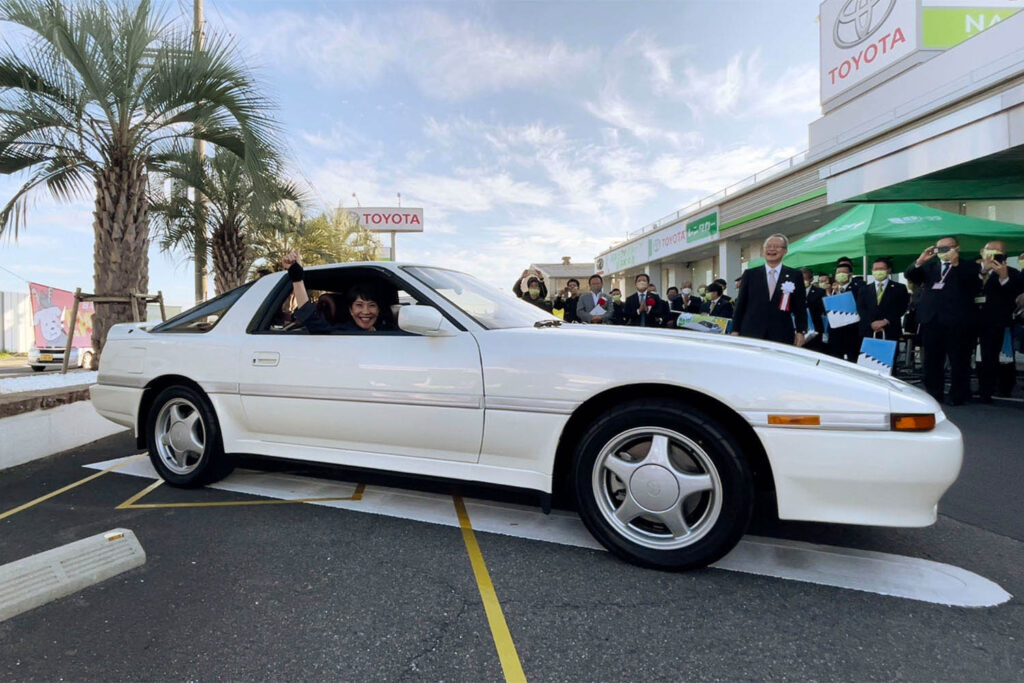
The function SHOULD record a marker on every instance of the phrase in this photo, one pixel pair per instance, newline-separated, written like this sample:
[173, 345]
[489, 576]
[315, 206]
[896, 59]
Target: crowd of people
[950, 308]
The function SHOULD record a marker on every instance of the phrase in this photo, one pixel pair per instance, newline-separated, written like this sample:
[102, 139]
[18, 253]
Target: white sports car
[663, 437]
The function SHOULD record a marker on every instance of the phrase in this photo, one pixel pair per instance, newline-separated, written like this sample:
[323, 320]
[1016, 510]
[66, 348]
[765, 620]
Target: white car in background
[41, 359]
[663, 437]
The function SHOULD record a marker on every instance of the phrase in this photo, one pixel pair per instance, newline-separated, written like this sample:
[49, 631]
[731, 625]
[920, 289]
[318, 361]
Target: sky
[527, 131]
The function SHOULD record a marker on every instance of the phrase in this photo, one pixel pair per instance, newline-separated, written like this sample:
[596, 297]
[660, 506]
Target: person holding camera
[1000, 286]
[948, 317]
[569, 300]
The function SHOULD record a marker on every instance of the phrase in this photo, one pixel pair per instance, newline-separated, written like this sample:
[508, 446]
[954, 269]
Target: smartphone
[999, 258]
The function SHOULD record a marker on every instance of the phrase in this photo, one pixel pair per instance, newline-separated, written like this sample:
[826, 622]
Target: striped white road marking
[873, 572]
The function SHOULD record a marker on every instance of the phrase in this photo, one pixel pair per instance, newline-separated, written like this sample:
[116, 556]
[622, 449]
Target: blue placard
[877, 354]
[841, 310]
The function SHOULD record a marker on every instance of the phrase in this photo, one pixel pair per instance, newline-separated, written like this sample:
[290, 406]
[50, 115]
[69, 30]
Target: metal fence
[16, 335]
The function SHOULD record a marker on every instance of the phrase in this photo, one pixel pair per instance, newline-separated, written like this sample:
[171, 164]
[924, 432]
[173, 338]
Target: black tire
[37, 368]
[184, 437]
[699, 452]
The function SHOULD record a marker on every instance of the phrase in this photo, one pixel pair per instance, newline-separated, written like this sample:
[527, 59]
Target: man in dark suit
[686, 302]
[772, 303]
[716, 304]
[844, 342]
[815, 310]
[1000, 286]
[640, 308]
[882, 303]
[948, 317]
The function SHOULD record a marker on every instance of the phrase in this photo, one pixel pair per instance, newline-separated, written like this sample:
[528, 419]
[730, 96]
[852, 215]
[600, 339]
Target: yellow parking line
[132, 503]
[510, 664]
[68, 487]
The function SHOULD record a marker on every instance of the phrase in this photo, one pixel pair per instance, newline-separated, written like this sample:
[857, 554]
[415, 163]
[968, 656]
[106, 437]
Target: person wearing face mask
[595, 298]
[686, 302]
[882, 303]
[642, 308]
[716, 304]
[947, 316]
[569, 300]
[533, 295]
[1000, 286]
[844, 342]
[617, 315]
[815, 310]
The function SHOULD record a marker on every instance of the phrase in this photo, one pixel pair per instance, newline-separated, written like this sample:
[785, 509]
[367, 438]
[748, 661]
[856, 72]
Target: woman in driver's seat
[361, 301]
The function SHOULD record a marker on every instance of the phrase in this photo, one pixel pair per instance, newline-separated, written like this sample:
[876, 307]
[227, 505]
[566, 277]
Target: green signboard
[944, 27]
[702, 228]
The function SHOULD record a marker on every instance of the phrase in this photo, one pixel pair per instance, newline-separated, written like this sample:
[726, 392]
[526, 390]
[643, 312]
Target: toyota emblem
[859, 19]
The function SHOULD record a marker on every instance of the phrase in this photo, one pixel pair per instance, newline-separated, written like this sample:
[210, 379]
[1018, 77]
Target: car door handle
[266, 359]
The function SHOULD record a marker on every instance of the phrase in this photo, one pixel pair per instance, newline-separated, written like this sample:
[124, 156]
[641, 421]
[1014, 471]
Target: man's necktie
[881, 291]
[945, 269]
[771, 283]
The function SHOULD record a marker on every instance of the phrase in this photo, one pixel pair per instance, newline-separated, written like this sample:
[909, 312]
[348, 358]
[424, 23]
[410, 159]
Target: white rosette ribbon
[787, 289]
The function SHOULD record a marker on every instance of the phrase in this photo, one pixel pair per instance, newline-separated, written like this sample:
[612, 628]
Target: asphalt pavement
[313, 593]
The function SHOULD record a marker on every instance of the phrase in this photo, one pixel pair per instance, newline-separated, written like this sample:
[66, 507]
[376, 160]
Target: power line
[14, 274]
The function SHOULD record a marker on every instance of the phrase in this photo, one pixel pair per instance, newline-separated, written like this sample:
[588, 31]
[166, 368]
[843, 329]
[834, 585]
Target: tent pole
[865, 265]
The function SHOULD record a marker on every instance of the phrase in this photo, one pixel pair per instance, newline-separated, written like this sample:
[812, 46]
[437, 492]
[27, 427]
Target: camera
[999, 258]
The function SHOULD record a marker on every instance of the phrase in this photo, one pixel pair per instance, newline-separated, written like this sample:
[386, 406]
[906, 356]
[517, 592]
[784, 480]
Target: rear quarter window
[205, 316]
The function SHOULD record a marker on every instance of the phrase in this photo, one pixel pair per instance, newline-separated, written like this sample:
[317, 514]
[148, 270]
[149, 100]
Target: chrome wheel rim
[180, 436]
[657, 488]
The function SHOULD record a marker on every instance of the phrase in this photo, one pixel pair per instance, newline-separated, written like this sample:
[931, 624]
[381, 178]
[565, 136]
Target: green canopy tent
[899, 231]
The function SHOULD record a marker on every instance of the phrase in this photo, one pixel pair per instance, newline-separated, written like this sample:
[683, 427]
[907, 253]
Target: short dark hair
[949, 237]
[362, 291]
[715, 287]
[738, 279]
[844, 259]
[617, 290]
[671, 288]
[532, 280]
[642, 275]
[807, 271]
[845, 265]
[597, 275]
[884, 261]
[571, 280]
[722, 282]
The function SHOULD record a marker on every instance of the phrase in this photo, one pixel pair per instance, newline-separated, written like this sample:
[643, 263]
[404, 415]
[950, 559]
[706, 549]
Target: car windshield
[490, 307]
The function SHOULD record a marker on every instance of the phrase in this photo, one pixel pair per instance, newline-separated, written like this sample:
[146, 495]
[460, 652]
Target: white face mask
[687, 291]
[641, 288]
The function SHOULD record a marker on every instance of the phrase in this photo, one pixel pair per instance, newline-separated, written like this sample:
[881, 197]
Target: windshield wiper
[547, 323]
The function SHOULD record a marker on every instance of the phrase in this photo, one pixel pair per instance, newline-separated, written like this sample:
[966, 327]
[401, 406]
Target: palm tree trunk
[230, 256]
[121, 246]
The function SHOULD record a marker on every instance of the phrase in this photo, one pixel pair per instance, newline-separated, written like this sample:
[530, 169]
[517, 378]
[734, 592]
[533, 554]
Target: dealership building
[922, 101]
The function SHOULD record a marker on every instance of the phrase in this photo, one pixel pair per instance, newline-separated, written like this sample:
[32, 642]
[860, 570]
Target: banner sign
[701, 322]
[51, 311]
[622, 258]
[703, 228]
[389, 219]
[945, 23]
[862, 38]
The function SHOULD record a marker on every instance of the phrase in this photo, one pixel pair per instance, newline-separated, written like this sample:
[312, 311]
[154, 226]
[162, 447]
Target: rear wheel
[663, 485]
[184, 440]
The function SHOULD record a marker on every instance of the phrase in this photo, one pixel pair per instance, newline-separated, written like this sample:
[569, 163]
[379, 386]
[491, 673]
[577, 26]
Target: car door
[396, 394]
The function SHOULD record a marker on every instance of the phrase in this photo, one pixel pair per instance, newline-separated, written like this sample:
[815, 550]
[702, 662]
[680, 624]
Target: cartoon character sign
[52, 310]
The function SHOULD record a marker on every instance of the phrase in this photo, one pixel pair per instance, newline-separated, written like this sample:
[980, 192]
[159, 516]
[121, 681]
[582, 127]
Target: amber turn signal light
[795, 420]
[913, 423]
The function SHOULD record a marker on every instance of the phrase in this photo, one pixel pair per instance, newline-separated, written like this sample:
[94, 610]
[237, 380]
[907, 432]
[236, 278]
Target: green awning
[899, 231]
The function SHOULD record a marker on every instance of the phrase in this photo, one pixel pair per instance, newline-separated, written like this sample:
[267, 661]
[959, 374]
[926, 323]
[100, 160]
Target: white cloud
[715, 171]
[448, 59]
[474, 193]
[614, 108]
[739, 89]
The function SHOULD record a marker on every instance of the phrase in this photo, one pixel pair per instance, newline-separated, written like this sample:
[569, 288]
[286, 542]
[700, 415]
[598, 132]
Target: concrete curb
[44, 431]
[29, 401]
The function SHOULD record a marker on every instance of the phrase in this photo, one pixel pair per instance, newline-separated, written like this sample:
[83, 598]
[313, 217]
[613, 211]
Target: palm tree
[235, 206]
[94, 99]
[334, 237]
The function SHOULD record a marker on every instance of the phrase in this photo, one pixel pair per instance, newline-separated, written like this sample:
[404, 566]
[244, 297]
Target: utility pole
[199, 234]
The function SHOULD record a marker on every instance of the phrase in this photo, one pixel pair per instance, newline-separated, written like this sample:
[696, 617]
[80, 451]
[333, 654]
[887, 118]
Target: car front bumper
[863, 477]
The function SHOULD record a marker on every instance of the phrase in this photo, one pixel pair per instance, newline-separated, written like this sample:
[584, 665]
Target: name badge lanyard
[942, 281]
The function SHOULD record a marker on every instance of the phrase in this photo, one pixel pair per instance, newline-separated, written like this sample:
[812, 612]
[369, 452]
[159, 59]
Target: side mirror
[424, 320]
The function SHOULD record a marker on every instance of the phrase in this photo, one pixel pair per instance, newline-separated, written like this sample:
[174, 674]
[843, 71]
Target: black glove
[295, 272]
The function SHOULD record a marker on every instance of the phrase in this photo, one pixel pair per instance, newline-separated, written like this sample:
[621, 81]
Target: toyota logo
[858, 19]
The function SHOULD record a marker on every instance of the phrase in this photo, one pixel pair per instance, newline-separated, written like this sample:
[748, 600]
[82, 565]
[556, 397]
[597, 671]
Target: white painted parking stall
[872, 572]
